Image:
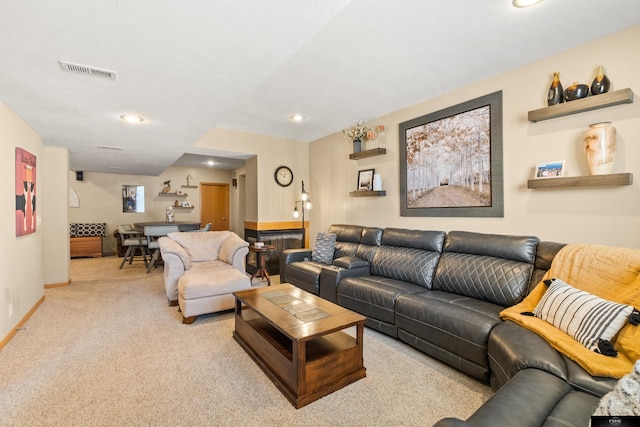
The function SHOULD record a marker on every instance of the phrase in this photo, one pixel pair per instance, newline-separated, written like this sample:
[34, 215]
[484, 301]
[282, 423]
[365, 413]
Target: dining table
[182, 225]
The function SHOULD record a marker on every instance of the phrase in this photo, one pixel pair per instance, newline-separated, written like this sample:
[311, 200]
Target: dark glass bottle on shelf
[556, 94]
[601, 83]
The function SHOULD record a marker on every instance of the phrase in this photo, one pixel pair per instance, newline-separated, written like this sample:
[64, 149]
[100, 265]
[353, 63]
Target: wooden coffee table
[298, 340]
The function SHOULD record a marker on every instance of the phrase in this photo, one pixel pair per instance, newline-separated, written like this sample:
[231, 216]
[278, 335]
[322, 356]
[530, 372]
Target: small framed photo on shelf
[365, 180]
[550, 169]
[186, 204]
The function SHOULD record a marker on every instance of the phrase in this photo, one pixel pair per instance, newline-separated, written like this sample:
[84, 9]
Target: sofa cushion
[591, 320]
[373, 296]
[459, 325]
[201, 246]
[513, 348]
[211, 278]
[323, 248]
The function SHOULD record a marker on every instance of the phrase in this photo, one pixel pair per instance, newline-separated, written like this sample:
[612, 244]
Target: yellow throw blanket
[607, 272]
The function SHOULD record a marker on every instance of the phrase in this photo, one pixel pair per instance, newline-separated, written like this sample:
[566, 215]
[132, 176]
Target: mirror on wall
[133, 198]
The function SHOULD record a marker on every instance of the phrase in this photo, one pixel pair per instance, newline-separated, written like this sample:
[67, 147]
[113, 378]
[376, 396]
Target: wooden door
[214, 205]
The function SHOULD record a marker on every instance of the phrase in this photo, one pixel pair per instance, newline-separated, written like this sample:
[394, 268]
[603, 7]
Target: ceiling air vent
[89, 71]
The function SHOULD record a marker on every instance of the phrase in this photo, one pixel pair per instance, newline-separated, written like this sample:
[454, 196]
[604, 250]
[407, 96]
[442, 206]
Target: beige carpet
[108, 351]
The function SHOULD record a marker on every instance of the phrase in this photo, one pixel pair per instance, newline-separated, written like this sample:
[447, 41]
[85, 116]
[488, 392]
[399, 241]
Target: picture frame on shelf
[365, 180]
[451, 161]
[553, 169]
[186, 204]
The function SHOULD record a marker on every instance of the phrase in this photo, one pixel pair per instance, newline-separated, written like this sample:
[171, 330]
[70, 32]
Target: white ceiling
[187, 66]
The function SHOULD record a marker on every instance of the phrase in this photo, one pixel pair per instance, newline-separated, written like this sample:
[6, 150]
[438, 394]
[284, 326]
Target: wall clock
[283, 176]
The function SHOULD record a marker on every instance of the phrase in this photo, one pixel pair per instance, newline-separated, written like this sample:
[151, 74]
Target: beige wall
[54, 197]
[602, 215]
[100, 196]
[22, 284]
[266, 201]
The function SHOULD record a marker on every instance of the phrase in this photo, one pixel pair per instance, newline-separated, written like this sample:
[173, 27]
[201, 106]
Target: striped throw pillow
[323, 248]
[588, 319]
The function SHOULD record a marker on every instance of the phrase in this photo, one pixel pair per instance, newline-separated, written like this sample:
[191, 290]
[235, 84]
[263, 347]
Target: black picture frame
[365, 180]
[451, 161]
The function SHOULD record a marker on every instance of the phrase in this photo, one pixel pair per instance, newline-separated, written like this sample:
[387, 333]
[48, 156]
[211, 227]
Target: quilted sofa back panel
[408, 255]
[494, 268]
[371, 240]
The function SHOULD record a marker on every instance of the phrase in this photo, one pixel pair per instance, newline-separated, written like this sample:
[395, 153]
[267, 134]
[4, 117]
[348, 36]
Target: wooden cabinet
[86, 246]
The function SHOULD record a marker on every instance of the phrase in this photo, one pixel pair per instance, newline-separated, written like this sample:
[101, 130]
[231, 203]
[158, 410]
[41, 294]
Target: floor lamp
[305, 203]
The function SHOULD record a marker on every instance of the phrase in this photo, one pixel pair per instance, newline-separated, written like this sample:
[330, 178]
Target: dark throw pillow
[323, 248]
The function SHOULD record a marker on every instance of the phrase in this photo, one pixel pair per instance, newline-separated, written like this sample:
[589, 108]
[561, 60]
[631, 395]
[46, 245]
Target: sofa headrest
[427, 240]
[372, 236]
[346, 233]
[516, 248]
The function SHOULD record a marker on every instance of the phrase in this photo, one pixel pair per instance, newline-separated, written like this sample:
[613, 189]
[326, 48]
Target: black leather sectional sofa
[442, 294]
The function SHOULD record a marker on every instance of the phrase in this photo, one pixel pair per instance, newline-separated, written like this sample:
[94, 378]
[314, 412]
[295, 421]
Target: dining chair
[153, 233]
[205, 228]
[133, 240]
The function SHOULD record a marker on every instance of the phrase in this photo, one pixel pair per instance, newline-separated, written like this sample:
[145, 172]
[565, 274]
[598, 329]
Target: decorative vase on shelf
[601, 83]
[377, 182]
[555, 94]
[170, 215]
[357, 145]
[600, 146]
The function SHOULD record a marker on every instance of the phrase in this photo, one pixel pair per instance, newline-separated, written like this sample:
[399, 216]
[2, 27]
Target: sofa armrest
[453, 422]
[173, 270]
[233, 251]
[350, 262]
[169, 246]
[292, 255]
[331, 275]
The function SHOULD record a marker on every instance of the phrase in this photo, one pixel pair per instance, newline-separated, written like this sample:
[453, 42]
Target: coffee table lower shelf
[303, 370]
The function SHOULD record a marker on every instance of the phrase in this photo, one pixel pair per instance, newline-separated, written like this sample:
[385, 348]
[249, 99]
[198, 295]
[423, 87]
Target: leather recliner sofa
[442, 294]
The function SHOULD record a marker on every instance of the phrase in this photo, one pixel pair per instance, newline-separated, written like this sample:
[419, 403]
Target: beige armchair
[202, 270]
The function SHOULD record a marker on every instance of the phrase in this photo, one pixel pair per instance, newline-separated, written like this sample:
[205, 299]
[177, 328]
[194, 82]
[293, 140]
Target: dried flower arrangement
[359, 131]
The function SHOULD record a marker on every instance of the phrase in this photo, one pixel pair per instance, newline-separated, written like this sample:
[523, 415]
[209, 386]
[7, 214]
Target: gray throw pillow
[323, 248]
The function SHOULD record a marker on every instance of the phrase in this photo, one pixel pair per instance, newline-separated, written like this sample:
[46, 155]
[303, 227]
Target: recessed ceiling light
[210, 162]
[297, 117]
[131, 119]
[525, 3]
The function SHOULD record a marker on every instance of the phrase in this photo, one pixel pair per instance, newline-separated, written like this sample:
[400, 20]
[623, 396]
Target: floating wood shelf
[582, 181]
[173, 194]
[367, 153]
[594, 102]
[368, 193]
[183, 207]
[189, 186]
